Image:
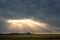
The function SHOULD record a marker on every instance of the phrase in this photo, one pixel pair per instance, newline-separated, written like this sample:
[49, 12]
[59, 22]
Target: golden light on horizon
[23, 24]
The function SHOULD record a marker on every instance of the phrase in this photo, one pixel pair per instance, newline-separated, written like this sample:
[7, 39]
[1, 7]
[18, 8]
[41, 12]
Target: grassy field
[31, 37]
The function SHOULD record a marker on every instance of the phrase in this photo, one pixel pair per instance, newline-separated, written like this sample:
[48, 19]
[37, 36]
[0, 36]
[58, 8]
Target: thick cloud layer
[45, 10]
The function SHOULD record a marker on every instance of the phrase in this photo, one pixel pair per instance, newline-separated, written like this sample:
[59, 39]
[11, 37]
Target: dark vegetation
[29, 36]
[17, 33]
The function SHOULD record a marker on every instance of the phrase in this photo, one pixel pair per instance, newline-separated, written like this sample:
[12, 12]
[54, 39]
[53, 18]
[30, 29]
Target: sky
[47, 11]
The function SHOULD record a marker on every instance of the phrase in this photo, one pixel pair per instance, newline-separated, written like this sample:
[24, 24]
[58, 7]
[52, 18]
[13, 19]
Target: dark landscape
[28, 36]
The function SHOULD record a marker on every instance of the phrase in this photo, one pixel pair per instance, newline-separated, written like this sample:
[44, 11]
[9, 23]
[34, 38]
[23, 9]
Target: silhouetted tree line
[17, 33]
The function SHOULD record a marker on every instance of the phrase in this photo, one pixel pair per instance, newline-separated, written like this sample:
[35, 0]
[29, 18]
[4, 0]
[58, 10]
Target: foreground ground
[31, 37]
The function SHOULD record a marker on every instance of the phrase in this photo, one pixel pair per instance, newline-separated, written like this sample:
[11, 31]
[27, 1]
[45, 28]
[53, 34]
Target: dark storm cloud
[45, 10]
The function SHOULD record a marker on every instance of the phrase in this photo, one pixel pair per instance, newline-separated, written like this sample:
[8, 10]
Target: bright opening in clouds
[28, 25]
[22, 24]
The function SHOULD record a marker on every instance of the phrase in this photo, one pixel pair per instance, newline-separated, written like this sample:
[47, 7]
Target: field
[31, 37]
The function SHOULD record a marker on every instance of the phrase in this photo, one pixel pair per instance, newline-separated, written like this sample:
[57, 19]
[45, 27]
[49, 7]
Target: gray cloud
[45, 10]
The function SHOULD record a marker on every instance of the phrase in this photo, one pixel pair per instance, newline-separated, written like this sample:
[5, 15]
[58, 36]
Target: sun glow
[24, 24]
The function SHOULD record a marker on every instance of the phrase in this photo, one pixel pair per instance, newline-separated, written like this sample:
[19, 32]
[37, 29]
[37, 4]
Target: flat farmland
[31, 37]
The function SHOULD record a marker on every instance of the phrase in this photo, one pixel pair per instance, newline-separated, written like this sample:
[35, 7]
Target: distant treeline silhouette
[17, 33]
